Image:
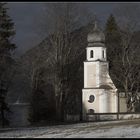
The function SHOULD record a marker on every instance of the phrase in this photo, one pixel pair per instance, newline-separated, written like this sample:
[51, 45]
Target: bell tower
[99, 93]
[96, 59]
[96, 49]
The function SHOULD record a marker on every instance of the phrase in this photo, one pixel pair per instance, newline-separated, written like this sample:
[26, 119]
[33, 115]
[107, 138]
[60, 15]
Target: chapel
[99, 94]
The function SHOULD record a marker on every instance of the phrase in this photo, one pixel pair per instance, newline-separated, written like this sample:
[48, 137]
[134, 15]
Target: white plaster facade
[97, 81]
[96, 74]
[99, 53]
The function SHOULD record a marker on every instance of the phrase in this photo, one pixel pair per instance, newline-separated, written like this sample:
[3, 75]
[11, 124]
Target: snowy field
[108, 129]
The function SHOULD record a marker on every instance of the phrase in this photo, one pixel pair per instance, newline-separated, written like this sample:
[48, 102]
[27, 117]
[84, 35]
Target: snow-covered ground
[108, 129]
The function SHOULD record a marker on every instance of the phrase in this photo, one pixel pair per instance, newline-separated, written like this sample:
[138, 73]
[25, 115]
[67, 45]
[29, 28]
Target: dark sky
[25, 15]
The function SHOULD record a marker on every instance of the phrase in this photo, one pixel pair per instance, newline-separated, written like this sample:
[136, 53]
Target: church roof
[102, 87]
[105, 87]
[96, 35]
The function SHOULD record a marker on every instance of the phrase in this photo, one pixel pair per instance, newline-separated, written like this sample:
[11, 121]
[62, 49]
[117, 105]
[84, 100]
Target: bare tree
[64, 18]
[61, 42]
[128, 73]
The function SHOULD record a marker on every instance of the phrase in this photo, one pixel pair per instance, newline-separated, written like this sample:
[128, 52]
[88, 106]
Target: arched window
[91, 54]
[103, 54]
[91, 111]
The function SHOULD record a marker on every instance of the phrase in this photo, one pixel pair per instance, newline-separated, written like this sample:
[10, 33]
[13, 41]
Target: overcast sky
[25, 15]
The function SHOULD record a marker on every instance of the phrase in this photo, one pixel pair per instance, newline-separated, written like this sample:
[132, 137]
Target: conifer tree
[6, 61]
[113, 37]
[113, 44]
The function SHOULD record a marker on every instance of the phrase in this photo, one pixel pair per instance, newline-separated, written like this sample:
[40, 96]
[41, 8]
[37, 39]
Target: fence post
[118, 106]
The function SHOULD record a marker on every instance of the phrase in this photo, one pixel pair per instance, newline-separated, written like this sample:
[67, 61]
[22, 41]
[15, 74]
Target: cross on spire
[95, 28]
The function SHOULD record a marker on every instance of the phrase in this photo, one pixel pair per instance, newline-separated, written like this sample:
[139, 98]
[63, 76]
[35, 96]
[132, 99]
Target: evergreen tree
[111, 25]
[114, 48]
[113, 38]
[6, 61]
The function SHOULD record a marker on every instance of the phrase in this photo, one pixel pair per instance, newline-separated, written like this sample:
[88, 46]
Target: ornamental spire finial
[95, 22]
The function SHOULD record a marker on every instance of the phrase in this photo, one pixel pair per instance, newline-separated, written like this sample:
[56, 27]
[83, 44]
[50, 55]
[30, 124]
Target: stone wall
[112, 116]
[73, 118]
[129, 116]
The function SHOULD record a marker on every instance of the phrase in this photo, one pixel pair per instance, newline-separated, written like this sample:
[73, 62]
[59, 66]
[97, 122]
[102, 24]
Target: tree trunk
[3, 118]
[58, 115]
[59, 107]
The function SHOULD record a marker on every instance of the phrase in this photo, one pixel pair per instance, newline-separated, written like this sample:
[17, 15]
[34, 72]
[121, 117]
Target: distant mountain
[37, 56]
[21, 85]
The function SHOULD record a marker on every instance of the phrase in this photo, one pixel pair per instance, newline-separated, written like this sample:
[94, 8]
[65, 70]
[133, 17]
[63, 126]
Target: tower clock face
[91, 98]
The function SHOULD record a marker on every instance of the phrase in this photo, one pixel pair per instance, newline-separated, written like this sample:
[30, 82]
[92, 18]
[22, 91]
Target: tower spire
[95, 22]
[96, 35]
[96, 28]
